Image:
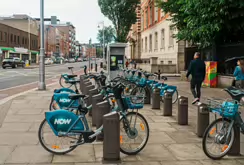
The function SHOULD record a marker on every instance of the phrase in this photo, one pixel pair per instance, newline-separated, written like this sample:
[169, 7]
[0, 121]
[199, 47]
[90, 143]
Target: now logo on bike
[62, 121]
[64, 100]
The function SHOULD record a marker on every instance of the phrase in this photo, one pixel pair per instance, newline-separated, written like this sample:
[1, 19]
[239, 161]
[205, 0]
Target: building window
[5, 36]
[162, 39]
[14, 38]
[150, 43]
[23, 41]
[151, 15]
[146, 18]
[11, 38]
[142, 20]
[18, 39]
[146, 44]
[142, 45]
[169, 62]
[156, 14]
[156, 41]
[171, 39]
[1, 36]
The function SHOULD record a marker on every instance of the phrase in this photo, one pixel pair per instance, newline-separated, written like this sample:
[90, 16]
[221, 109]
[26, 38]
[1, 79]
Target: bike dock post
[104, 108]
[236, 146]
[92, 92]
[95, 99]
[167, 111]
[111, 143]
[85, 87]
[148, 96]
[156, 99]
[202, 119]
[183, 111]
[88, 88]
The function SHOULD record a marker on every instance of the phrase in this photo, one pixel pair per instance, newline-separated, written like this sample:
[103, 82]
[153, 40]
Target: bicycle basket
[225, 108]
[130, 104]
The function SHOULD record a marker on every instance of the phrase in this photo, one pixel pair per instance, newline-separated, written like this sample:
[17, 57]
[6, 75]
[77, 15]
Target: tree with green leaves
[122, 13]
[109, 35]
[205, 22]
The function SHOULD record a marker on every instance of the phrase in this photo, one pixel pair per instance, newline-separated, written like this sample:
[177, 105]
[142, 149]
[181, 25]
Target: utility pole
[41, 83]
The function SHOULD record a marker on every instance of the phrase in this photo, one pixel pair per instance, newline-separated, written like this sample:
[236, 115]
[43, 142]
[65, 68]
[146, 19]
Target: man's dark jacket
[197, 69]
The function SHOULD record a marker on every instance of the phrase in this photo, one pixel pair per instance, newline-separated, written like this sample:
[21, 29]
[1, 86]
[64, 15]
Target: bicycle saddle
[71, 76]
[73, 81]
[164, 78]
[235, 93]
[70, 67]
[77, 96]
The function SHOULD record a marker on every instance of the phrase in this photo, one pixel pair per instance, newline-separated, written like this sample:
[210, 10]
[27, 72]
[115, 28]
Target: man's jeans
[196, 88]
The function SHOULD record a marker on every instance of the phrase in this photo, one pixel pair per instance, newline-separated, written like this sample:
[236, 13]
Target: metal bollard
[95, 67]
[156, 99]
[202, 119]
[101, 65]
[111, 143]
[183, 111]
[167, 104]
[104, 108]
[148, 96]
[95, 99]
[235, 149]
[92, 92]
[88, 88]
[91, 66]
[85, 85]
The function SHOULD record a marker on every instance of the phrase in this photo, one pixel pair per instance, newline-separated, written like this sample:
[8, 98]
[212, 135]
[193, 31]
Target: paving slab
[15, 138]
[159, 127]
[181, 163]
[160, 138]
[155, 152]
[162, 119]
[30, 154]
[15, 127]
[33, 111]
[99, 154]
[141, 163]
[220, 162]
[187, 151]
[23, 118]
[84, 153]
[5, 152]
[184, 137]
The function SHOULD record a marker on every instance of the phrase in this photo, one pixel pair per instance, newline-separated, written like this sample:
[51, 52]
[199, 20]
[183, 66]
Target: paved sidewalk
[169, 143]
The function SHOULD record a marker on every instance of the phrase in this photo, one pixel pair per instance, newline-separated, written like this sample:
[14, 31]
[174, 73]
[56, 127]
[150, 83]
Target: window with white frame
[146, 44]
[142, 20]
[142, 45]
[156, 14]
[150, 42]
[156, 41]
[171, 39]
[146, 14]
[162, 39]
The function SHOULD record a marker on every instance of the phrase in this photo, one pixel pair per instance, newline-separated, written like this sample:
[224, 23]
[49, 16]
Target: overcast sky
[83, 14]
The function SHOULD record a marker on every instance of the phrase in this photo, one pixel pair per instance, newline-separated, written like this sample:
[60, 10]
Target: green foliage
[122, 13]
[109, 35]
[99, 52]
[205, 21]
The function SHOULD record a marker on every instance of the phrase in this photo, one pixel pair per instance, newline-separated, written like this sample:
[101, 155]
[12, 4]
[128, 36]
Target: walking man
[197, 69]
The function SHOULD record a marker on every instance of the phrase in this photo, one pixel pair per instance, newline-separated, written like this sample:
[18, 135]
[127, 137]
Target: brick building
[15, 43]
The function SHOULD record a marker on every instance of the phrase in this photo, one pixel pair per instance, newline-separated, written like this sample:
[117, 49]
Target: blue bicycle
[67, 130]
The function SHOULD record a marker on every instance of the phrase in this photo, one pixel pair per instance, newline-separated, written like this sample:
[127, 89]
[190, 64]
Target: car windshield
[8, 59]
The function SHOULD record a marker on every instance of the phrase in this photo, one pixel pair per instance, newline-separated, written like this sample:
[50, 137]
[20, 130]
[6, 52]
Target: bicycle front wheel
[63, 84]
[216, 142]
[134, 133]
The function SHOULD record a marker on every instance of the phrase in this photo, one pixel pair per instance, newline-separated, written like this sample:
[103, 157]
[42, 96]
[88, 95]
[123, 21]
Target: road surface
[16, 77]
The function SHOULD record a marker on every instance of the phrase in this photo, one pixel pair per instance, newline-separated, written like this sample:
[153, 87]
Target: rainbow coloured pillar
[211, 74]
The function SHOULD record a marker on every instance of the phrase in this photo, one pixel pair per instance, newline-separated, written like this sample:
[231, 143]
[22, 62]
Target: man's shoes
[195, 100]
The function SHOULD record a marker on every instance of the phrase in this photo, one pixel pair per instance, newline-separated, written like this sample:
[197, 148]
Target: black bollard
[85, 85]
[167, 111]
[95, 67]
[92, 92]
[156, 99]
[95, 100]
[235, 149]
[148, 96]
[159, 74]
[111, 143]
[91, 66]
[101, 65]
[202, 119]
[104, 108]
[183, 111]
[88, 88]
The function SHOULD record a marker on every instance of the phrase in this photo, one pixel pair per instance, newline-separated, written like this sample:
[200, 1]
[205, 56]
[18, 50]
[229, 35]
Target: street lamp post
[41, 83]
[103, 40]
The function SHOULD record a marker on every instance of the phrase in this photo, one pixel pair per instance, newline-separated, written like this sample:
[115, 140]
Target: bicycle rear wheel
[218, 136]
[55, 144]
[134, 134]
[63, 83]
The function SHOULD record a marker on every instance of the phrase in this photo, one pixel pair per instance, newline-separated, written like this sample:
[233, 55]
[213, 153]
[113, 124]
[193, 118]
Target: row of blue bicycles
[65, 126]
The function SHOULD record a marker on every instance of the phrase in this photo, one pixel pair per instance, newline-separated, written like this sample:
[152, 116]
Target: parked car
[48, 61]
[79, 60]
[13, 62]
[71, 60]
